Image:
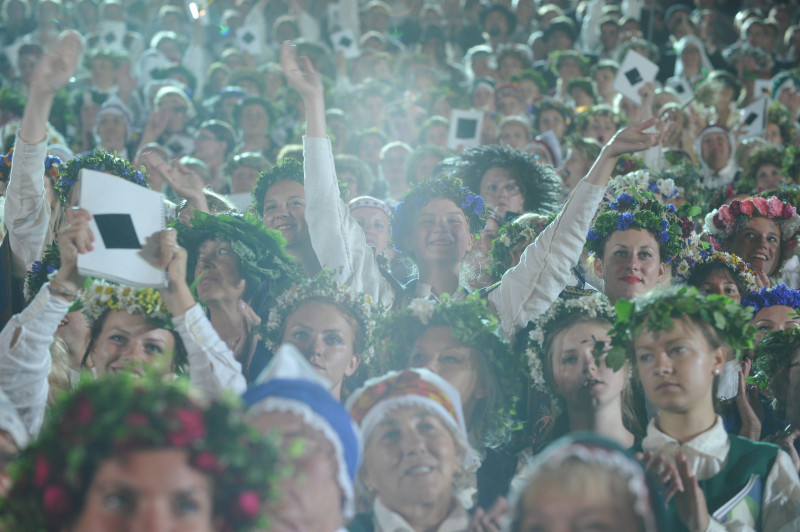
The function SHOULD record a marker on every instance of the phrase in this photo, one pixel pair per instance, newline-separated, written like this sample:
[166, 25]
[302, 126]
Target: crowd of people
[584, 316]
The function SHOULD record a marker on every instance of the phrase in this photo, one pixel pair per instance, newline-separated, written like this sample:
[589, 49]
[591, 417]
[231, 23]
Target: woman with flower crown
[238, 267]
[567, 358]
[762, 231]
[678, 341]
[634, 238]
[456, 340]
[329, 325]
[129, 328]
[436, 222]
[124, 453]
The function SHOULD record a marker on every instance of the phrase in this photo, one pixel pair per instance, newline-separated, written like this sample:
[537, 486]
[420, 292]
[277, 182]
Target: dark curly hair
[539, 184]
[287, 169]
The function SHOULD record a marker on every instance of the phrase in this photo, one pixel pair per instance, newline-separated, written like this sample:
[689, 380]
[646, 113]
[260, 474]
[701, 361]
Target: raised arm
[545, 268]
[27, 214]
[213, 368]
[337, 239]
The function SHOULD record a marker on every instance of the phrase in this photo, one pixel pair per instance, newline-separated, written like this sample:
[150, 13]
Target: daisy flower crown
[512, 235]
[570, 310]
[423, 193]
[52, 165]
[656, 310]
[670, 226]
[723, 222]
[100, 161]
[472, 324]
[642, 181]
[99, 296]
[323, 288]
[737, 267]
[118, 414]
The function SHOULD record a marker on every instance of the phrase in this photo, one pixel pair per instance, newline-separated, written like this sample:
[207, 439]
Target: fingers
[71, 47]
[307, 66]
[76, 233]
[250, 317]
[288, 56]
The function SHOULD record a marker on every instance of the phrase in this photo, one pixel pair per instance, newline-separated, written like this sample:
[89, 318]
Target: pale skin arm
[52, 73]
[306, 82]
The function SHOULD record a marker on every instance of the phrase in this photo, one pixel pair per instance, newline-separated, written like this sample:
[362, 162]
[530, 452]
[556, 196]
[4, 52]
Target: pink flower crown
[723, 222]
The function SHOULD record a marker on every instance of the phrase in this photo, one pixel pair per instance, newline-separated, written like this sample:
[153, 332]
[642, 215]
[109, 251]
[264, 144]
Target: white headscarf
[691, 40]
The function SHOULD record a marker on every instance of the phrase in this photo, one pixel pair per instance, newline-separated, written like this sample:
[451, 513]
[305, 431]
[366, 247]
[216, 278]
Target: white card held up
[633, 73]
[465, 129]
[346, 42]
[124, 216]
[753, 120]
[682, 88]
[250, 40]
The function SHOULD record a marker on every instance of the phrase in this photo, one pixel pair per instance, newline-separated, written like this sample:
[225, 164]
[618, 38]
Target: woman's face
[677, 366]
[375, 224]
[580, 373]
[501, 192]
[574, 168]
[436, 135]
[219, 271]
[631, 264]
[721, 282]
[768, 176]
[691, 59]
[775, 318]
[254, 120]
[410, 459]
[453, 361]
[351, 180]
[327, 339]
[549, 509]
[489, 233]
[285, 209]
[600, 128]
[603, 78]
[773, 134]
[112, 130]
[514, 135]
[310, 497]
[243, 179]
[148, 490]
[440, 234]
[127, 340]
[758, 242]
[552, 120]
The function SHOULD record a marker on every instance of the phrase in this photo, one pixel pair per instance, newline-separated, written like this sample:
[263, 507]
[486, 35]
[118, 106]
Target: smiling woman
[415, 446]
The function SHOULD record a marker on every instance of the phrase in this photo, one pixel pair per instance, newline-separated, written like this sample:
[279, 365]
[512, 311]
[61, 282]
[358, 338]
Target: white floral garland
[593, 306]
[322, 287]
[640, 181]
[733, 262]
[100, 295]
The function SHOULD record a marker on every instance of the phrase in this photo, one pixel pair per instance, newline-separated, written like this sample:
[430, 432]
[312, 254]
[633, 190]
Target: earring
[716, 372]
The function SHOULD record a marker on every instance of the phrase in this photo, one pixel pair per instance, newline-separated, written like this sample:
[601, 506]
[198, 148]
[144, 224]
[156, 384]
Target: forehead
[496, 174]
[715, 137]
[440, 205]
[319, 315]
[762, 224]
[632, 238]
[134, 323]
[775, 313]
[678, 330]
[213, 244]
[285, 188]
[370, 213]
[438, 337]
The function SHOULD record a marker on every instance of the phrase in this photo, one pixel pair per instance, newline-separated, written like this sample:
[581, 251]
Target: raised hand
[74, 238]
[304, 80]
[57, 66]
[749, 405]
[173, 258]
[633, 138]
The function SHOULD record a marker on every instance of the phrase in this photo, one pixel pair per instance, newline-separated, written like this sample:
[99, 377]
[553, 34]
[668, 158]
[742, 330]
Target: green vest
[735, 493]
